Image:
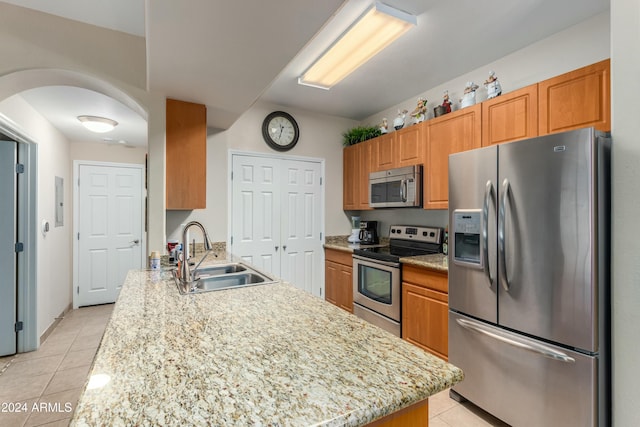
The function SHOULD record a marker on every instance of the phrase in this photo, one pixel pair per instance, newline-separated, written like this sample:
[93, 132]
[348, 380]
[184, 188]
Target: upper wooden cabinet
[576, 99]
[384, 149]
[358, 161]
[186, 151]
[399, 148]
[510, 117]
[448, 134]
[367, 162]
[409, 145]
[350, 177]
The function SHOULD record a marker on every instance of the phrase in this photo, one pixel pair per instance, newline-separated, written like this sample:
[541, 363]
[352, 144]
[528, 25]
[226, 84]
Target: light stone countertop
[261, 355]
[438, 262]
[340, 243]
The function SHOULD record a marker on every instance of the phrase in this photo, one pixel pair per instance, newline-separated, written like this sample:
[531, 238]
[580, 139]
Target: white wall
[320, 137]
[625, 86]
[54, 281]
[575, 47]
[114, 153]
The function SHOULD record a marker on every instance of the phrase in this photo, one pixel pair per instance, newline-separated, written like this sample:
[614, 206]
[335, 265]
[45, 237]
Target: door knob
[135, 242]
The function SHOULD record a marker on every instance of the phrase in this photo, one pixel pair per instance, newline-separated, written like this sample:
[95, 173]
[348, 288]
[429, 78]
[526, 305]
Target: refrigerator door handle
[488, 193]
[501, 234]
[520, 343]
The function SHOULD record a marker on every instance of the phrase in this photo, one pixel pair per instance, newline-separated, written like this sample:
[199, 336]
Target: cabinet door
[576, 99]
[448, 134]
[510, 117]
[385, 151]
[339, 278]
[366, 160]
[331, 279]
[409, 145]
[425, 319]
[186, 151]
[345, 291]
[350, 171]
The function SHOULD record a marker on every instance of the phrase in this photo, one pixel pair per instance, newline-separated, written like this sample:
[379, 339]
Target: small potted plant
[359, 134]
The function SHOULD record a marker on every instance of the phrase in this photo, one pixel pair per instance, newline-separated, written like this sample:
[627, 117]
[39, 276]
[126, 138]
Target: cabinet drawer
[341, 257]
[425, 278]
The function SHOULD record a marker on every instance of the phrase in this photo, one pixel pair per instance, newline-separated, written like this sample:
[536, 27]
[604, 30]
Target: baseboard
[57, 320]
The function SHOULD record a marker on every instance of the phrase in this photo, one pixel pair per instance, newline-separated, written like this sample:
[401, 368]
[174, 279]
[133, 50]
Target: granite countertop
[437, 262]
[260, 355]
[340, 243]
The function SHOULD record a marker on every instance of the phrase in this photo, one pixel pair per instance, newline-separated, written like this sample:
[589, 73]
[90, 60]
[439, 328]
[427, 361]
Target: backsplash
[405, 216]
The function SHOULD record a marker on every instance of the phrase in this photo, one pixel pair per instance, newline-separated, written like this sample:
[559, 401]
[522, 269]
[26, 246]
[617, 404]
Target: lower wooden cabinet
[425, 306]
[338, 279]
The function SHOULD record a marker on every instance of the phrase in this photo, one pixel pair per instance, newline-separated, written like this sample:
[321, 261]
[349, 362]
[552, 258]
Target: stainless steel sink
[223, 276]
[217, 270]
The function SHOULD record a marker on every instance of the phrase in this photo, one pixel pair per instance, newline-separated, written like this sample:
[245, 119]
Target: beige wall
[577, 46]
[625, 86]
[54, 248]
[112, 153]
[32, 40]
[320, 137]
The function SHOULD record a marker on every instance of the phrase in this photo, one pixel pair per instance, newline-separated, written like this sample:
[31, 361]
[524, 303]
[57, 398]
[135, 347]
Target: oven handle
[376, 261]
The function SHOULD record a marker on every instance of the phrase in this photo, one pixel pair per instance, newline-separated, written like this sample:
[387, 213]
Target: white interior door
[256, 212]
[301, 225]
[276, 217]
[110, 230]
[8, 215]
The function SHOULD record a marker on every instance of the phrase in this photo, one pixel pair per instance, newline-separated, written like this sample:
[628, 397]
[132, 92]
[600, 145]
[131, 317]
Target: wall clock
[280, 131]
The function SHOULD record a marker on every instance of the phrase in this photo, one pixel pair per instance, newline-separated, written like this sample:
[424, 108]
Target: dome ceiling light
[97, 124]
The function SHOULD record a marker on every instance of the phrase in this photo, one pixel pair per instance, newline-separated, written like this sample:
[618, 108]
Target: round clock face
[280, 131]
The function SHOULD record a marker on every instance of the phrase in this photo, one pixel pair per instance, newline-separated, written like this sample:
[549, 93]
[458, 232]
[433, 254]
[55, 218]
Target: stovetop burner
[406, 241]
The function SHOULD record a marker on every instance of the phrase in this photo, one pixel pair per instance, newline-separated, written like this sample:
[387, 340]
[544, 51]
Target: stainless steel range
[377, 274]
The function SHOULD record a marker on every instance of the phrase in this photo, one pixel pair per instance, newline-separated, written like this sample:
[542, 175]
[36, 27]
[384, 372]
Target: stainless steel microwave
[396, 188]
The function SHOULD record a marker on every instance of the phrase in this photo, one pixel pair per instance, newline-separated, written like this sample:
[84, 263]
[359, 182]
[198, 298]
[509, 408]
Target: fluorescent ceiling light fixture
[97, 124]
[374, 30]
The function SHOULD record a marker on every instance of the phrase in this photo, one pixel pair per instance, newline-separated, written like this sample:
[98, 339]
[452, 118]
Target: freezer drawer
[519, 385]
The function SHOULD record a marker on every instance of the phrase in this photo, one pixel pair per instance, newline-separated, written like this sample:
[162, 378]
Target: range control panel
[421, 234]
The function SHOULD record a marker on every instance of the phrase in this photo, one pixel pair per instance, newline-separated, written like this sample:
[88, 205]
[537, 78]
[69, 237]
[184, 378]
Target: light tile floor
[41, 388]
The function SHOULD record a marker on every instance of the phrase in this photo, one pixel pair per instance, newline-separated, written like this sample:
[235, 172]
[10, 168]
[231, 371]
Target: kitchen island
[259, 355]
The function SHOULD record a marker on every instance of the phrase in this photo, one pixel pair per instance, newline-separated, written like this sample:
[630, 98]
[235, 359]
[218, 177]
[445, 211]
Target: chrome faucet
[186, 276]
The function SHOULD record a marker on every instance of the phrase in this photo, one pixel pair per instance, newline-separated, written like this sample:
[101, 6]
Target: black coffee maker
[368, 232]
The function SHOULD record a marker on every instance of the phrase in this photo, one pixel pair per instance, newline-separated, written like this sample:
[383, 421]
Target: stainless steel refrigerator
[529, 279]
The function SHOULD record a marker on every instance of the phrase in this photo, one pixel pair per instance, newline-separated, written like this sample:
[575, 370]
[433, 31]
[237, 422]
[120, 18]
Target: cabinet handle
[277, 248]
[284, 248]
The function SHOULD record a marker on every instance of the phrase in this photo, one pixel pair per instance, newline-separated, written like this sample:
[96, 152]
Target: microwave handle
[404, 189]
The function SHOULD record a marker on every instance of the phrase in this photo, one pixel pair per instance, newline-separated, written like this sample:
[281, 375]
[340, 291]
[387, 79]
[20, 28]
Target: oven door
[376, 285]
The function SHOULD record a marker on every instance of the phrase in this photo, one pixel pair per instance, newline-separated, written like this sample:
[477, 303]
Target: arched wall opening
[33, 284]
